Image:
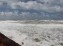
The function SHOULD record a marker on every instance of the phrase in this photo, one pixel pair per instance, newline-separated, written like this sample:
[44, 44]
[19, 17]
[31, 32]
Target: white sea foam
[47, 34]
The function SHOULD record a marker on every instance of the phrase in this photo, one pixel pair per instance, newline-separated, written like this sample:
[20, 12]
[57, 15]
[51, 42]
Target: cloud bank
[35, 8]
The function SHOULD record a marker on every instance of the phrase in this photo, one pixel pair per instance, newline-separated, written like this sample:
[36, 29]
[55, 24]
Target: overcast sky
[31, 9]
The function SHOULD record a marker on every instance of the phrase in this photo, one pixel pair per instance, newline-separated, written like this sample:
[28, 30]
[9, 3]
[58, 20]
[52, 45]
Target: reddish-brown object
[1, 40]
[4, 41]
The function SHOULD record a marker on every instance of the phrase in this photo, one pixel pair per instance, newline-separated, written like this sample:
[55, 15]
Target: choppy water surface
[37, 34]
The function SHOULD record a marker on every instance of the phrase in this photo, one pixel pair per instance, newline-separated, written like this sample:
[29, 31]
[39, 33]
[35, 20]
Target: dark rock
[61, 44]
[37, 40]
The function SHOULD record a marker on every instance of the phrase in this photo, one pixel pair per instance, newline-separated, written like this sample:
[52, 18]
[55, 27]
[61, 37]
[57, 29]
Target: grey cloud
[39, 5]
